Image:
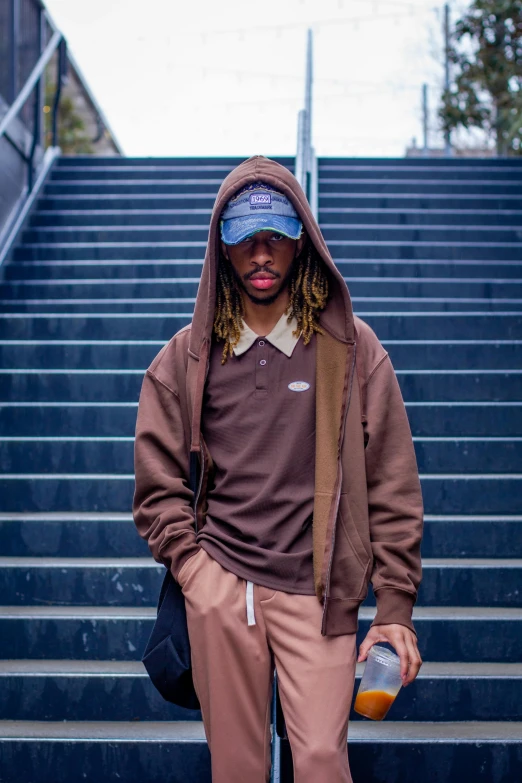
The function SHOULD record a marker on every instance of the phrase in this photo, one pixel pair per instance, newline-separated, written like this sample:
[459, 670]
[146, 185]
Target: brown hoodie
[368, 509]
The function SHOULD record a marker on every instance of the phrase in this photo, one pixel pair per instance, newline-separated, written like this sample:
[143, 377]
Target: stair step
[452, 184]
[91, 534]
[161, 326]
[442, 493]
[197, 229]
[118, 419]
[55, 690]
[362, 305]
[487, 752]
[373, 250]
[23, 272]
[85, 202]
[88, 454]
[61, 581]
[91, 632]
[332, 215]
[135, 354]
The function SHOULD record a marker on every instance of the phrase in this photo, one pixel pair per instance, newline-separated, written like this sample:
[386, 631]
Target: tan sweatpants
[233, 663]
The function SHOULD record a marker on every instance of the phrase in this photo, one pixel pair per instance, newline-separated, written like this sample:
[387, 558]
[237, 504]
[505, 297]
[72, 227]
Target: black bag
[167, 654]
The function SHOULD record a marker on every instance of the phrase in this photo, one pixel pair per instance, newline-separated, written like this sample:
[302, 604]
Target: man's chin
[267, 299]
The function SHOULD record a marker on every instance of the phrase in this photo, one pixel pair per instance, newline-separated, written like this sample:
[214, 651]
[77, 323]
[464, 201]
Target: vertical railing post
[425, 119]
[305, 160]
[61, 71]
[15, 49]
[37, 109]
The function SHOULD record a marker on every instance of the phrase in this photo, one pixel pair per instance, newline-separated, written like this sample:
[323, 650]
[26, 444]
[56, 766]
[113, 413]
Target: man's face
[263, 264]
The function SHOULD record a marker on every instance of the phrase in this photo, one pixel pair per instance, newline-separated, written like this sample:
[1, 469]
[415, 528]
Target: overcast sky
[227, 78]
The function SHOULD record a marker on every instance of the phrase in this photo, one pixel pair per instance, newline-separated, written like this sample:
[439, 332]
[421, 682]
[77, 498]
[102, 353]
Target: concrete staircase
[105, 274]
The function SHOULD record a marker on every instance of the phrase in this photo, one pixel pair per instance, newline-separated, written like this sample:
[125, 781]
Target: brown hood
[337, 319]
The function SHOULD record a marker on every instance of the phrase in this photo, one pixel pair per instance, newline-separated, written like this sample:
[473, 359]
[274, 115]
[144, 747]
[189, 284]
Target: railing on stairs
[32, 35]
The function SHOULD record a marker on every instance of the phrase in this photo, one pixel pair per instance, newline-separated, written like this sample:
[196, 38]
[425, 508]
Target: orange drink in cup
[380, 683]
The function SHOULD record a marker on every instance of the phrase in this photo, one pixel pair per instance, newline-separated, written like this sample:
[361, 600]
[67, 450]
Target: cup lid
[384, 656]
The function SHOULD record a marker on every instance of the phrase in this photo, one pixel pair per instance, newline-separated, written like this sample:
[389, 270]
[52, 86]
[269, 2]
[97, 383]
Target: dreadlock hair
[308, 295]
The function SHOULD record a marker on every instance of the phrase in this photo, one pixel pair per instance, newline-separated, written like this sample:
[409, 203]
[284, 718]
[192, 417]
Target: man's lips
[263, 282]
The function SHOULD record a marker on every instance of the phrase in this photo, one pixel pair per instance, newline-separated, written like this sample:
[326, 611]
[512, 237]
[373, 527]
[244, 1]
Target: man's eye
[277, 237]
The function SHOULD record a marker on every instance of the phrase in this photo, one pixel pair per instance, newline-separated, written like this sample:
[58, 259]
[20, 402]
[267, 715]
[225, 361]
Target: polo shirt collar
[280, 337]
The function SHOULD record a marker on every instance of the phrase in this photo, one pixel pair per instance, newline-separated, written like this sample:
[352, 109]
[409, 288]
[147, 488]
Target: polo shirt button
[261, 343]
[262, 362]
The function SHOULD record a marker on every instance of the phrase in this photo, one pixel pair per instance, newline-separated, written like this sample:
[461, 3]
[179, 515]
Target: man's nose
[261, 254]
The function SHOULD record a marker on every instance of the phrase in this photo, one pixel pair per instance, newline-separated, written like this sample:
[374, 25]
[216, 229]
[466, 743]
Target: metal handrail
[57, 42]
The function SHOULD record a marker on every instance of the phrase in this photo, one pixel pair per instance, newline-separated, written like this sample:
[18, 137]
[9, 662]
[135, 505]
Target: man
[309, 486]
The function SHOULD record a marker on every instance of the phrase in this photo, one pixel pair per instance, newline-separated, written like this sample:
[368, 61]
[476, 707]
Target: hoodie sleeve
[394, 499]
[162, 504]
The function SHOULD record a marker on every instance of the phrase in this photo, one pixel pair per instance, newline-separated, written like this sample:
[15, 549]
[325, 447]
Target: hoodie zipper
[201, 451]
[338, 492]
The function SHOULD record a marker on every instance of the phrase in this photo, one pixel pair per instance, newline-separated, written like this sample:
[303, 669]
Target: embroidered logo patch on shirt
[299, 386]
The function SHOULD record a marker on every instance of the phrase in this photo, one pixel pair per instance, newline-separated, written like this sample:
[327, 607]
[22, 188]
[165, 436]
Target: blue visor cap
[258, 207]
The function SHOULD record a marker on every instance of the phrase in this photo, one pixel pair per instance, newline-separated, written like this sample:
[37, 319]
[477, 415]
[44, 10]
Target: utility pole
[447, 136]
[425, 119]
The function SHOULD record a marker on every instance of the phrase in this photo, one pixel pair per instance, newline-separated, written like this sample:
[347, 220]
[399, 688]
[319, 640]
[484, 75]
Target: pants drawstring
[251, 617]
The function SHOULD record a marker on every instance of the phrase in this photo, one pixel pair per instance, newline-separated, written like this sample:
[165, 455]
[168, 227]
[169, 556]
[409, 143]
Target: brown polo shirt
[259, 426]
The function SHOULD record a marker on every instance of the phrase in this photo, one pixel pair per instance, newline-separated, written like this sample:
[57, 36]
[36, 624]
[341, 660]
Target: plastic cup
[380, 683]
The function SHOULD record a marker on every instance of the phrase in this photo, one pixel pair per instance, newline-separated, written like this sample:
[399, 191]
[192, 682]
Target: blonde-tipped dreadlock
[308, 292]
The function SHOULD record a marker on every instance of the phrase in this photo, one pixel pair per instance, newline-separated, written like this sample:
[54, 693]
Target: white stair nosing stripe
[68, 476]
[378, 226]
[118, 342]
[371, 313]
[82, 562]
[69, 404]
[384, 341]
[180, 280]
[124, 316]
[362, 732]
[130, 476]
[124, 669]
[158, 300]
[65, 371]
[176, 300]
[66, 516]
[460, 439]
[193, 211]
[470, 476]
[211, 196]
[118, 371]
[456, 180]
[103, 281]
[121, 262]
[131, 404]
[121, 516]
[133, 196]
[105, 183]
[70, 439]
[51, 562]
[199, 262]
[486, 518]
[415, 243]
[151, 167]
[203, 244]
[351, 210]
[149, 613]
[83, 245]
[509, 371]
[485, 439]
